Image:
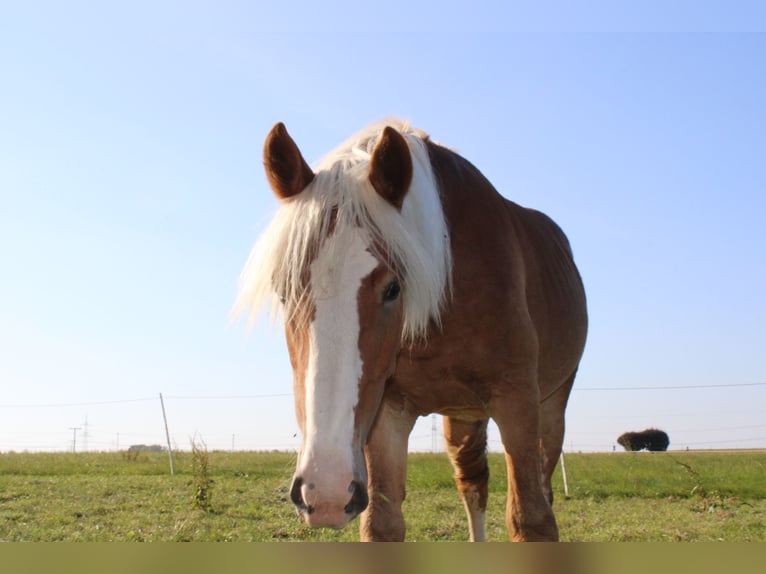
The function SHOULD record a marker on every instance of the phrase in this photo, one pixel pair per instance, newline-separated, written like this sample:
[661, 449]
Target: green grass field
[677, 496]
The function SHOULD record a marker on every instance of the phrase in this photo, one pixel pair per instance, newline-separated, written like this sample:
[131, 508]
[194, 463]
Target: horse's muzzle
[323, 511]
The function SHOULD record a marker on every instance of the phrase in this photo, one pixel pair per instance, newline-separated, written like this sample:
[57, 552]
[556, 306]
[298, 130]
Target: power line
[731, 440]
[83, 404]
[227, 397]
[664, 388]
[27, 439]
[119, 401]
[279, 395]
[724, 428]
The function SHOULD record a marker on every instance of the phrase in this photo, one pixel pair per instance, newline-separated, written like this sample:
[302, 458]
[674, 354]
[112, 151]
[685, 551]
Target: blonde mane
[414, 242]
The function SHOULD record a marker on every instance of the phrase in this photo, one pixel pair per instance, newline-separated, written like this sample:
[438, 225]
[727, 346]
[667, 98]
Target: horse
[408, 286]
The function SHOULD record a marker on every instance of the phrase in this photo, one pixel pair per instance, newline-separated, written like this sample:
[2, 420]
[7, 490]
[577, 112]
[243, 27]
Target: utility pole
[564, 474]
[74, 437]
[232, 443]
[85, 435]
[433, 433]
[167, 435]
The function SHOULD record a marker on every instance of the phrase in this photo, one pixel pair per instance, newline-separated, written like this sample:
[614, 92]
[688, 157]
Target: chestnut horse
[409, 286]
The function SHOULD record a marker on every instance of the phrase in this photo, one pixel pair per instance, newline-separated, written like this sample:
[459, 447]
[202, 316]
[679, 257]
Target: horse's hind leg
[467, 449]
[552, 432]
[529, 516]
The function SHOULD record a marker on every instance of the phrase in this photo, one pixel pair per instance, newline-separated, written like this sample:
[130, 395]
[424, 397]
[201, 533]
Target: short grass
[613, 497]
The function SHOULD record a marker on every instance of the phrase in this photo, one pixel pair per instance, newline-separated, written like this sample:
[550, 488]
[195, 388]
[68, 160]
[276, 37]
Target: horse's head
[344, 320]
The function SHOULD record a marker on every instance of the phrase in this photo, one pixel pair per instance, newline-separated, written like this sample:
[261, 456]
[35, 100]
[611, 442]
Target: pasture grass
[676, 496]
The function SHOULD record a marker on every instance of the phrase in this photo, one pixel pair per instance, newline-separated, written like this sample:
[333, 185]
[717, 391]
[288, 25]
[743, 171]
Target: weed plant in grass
[616, 496]
[202, 481]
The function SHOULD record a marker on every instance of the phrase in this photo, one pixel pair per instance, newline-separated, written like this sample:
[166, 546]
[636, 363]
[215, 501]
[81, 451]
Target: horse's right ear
[287, 171]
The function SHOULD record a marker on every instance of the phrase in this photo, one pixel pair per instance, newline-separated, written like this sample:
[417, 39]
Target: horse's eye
[391, 292]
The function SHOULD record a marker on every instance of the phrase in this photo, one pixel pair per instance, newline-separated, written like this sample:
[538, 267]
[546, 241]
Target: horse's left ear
[391, 167]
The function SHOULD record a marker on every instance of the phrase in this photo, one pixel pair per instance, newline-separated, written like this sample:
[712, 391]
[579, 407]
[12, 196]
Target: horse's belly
[445, 398]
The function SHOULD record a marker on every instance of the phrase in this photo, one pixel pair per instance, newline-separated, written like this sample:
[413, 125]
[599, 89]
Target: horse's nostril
[297, 497]
[359, 498]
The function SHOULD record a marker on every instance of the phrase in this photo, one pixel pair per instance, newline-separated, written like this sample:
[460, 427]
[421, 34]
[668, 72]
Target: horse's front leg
[386, 453]
[529, 516]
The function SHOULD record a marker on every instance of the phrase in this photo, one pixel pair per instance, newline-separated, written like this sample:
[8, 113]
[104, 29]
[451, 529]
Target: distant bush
[649, 439]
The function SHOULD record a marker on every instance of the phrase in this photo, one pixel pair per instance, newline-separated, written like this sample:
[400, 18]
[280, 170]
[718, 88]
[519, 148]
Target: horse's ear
[287, 171]
[391, 167]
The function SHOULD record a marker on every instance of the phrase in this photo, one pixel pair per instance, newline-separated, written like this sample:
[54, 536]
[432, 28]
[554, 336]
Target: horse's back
[527, 277]
[555, 295]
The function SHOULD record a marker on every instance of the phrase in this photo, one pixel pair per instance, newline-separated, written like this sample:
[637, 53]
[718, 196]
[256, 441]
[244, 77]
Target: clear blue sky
[131, 191]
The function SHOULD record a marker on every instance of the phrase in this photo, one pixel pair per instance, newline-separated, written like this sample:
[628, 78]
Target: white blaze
[335, 364]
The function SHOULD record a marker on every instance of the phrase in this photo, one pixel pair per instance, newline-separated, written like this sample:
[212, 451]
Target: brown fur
[508, 348]
[511, 263]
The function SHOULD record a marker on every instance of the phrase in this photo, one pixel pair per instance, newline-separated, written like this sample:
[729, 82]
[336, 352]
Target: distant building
[146, 448]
